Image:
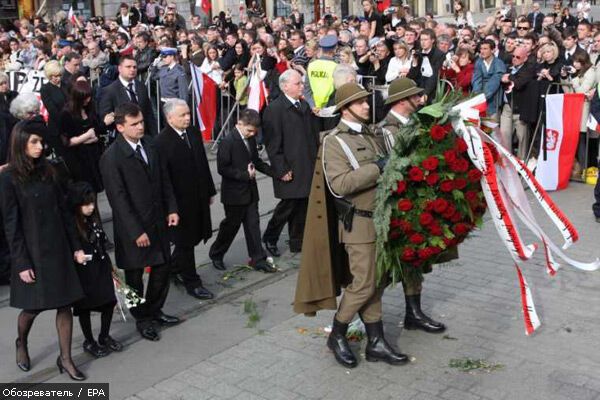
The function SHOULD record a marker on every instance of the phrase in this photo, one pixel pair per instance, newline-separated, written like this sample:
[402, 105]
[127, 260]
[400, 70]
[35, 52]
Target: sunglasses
[523, 28]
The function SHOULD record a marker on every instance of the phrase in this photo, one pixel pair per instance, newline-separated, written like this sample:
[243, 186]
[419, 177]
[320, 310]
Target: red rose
[401, 187]
[425, 218]
[395, 223]
[450, 156]
[430, 163]
[449, 211]
[415, 174]
[404, 205]
[416, 238]
[424, 254]
[447, 186]
[460, 183]
[461, 229]
[440, 205]
[436, 230]
[463, 165]
[461, 145]
[456, 217]
[438, 133]
[394, 235]
[408, 254]
[429, 205]
[405, 227]
[435, 250]
[432, 179]
[474, 175]
[471, 196]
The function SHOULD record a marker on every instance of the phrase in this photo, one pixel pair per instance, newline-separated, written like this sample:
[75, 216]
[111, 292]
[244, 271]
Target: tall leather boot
[338, 343]
[378, 349]
[416, 319]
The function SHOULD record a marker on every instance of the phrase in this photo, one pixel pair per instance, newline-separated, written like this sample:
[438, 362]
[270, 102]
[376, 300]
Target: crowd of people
[104, 125]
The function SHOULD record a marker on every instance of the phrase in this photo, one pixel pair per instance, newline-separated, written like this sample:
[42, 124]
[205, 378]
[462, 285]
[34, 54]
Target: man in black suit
[182, 154]
[143, 205]
[237, 162]
[429, 62]
[570, 46]
[536, 18]
[291, 136]
[124, 90]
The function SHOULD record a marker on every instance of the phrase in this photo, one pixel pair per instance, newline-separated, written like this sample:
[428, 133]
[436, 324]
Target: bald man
[517, 110]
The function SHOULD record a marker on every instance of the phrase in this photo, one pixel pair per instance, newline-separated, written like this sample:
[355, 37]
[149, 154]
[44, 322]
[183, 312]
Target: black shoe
[166, 320]
[378, 349]
[272, 248]
[415, 318]
[149, 333]
[338, 343]
[77, 375]
[94, 349]
[24, 365]
[598, 219]
[219, 264]
[201, 293]
[264, 266]
[110, 343]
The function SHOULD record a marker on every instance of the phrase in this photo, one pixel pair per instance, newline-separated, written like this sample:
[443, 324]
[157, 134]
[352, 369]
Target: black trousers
[185, 265]
[246, 215]
[156, 292]
[292, 212]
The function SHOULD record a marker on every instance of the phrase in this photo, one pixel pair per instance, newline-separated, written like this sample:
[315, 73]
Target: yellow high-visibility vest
[320, 78]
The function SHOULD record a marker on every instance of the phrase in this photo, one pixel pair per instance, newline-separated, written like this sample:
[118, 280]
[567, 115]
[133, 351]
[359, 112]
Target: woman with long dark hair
[43, 244]
[80, 130]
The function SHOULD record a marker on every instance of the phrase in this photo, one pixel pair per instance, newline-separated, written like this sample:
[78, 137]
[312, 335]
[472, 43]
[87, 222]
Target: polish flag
[258, 93]
[592, 123]
[73, 17]
[555, 160]
[205, 92]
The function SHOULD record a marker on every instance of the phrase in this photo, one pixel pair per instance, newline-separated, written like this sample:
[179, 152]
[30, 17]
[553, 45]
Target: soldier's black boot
[378, 349]
[338, 343]
[416, 319]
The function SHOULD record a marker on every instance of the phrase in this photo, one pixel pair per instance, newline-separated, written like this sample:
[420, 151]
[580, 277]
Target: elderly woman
[54, 99]
[7, 121]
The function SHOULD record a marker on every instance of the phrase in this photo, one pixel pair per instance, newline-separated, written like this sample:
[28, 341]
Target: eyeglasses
[516, 57]
[523, 28]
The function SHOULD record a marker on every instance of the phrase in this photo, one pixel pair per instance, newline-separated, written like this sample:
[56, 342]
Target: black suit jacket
[141, 197]
[54, 100]
[237, 188]
[564, 61]
[523, 97]
[116, 94]
[436, 59]
[292, 139]
[192, 183]
[539, 19]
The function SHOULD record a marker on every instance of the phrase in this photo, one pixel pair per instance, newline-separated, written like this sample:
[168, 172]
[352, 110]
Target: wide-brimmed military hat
[347, 93]
[402, 88]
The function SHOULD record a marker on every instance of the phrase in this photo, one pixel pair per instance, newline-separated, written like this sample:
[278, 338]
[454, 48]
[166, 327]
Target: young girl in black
[95, 274]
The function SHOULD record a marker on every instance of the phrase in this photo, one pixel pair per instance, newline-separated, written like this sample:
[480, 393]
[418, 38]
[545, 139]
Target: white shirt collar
[180, 133]
[293, 101]
[125, 83]
[240, 132]
[296, 51]
[355, 126]
[399, 117]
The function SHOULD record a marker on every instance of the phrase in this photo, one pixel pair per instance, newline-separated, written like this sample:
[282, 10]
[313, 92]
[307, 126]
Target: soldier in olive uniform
[405, 98]
[352, 163]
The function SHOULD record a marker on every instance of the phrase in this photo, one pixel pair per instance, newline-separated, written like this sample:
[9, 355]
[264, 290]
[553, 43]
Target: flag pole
[317, 8]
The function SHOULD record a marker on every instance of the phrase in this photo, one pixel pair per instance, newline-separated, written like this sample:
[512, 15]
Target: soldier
[351, 160]
[404, 98]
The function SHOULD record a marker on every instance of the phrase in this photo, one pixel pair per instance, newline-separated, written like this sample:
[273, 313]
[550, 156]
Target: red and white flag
[592, 123]
[555, 160]
[205, 93]
[258, 93]
[73, 17]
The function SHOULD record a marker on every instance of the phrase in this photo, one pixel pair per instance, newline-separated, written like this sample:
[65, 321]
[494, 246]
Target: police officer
[171, 77]
[353, 159]
[404, 98]
[320, 74]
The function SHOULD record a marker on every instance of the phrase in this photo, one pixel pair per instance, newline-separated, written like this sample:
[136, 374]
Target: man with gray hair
[290, 132]
[183, 157]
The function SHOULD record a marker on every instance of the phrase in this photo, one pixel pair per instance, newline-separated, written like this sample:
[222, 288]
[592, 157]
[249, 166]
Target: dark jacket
[291, 137]
[523, 97]
[429, 83]
[40, 233]
[7, 121]
[116, 94]
[54, 100]
[141, 197]
[539, 18]
[192, 183]
[237, 189]
[145, 58]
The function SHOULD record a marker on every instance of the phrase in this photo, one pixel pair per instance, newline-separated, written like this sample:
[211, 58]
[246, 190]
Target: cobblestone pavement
[477, 298]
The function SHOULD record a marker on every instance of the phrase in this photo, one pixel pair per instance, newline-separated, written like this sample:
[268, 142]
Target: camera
[390, 10]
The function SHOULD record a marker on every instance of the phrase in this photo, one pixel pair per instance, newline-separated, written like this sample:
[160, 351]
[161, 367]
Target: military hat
[328, 42]
[168, 51]
[347, 93]
[402, 88]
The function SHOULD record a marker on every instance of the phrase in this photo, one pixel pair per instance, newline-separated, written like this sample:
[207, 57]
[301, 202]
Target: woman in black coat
[7, 121]
[80, 128]
[54, 100]
[42, 243]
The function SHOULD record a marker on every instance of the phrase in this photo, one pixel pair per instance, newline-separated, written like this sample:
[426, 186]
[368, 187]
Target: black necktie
[297, 104]
[185, 138]
[131, 92]
[138, 152]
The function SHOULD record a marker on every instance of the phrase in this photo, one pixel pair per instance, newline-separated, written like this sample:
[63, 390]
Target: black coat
[192, 182]
[436, 59]
[538, 21]
[237, 189]
[524, 95]
[141, 197]
[291, 137]
[40, 232]
[7, 121]
[115, 94]
[54, 100]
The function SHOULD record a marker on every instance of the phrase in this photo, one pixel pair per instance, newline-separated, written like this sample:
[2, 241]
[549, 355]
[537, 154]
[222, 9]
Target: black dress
[96, 275]
[41, 235]
[82, 160]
